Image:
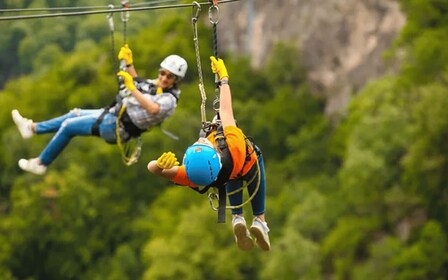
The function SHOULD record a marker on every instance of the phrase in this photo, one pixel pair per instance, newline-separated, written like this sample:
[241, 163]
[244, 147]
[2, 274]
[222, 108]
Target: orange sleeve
[181, 178]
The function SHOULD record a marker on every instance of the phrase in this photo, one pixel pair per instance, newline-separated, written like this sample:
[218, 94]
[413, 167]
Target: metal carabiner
[125, 15]
[216, 104]
[110, 18]
[213, 196]
[195, 11]
[213, 14]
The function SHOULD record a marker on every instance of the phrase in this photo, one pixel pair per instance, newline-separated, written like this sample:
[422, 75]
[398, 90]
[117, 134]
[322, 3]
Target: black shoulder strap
[224, 173]
[223, 176]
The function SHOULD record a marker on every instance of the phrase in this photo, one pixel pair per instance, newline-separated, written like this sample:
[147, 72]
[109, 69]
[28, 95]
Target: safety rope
[213, 13]
[214, 196]
[105, 11]
[195, 17]
[130, 149]
[125, 18]
[110, 20]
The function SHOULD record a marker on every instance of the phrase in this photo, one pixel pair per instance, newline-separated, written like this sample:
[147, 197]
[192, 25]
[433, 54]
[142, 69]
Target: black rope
[215, 40]
[106, 11]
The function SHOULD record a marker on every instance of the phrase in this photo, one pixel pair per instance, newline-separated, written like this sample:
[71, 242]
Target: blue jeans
[77, 122]
[258, 202]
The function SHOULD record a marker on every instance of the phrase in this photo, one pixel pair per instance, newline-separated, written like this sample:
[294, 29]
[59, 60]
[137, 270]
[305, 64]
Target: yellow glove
[219, 68]
[128, 80]
[126, 54]
[167, 160]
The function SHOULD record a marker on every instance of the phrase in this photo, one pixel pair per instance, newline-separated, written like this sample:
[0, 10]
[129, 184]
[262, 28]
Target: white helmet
[175, 64]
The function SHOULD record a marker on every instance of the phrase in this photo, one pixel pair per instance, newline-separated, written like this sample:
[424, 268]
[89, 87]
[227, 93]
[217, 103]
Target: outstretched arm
[165, 166]
[225, 95]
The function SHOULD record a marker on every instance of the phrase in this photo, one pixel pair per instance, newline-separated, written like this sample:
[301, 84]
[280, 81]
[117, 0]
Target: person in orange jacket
[224, 150]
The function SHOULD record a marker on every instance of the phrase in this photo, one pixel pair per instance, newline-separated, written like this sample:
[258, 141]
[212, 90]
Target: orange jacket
[237, 146]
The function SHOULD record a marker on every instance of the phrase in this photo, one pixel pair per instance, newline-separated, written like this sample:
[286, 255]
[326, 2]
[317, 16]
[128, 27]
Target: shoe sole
[259, 238]
[24, 166]
[243, 241]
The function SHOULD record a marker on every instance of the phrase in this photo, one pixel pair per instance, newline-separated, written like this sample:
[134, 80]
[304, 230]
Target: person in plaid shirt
[147, 103]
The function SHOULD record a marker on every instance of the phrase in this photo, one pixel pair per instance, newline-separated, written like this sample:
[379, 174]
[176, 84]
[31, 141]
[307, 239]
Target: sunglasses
[168, 75]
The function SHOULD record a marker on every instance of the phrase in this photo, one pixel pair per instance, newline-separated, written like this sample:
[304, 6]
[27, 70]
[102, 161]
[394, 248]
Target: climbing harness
[212, 196]
[131, 148]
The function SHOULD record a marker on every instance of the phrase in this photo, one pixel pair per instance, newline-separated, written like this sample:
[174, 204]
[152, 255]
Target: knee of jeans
[64, 124]
[76, 111]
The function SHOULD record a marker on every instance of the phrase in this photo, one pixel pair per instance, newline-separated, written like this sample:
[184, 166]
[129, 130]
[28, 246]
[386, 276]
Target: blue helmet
[202, 164]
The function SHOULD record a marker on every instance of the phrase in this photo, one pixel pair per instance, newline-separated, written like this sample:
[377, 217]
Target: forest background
[363, 198]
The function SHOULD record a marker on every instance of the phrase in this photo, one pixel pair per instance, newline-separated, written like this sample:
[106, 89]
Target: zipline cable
[79, 8]
[106, 11]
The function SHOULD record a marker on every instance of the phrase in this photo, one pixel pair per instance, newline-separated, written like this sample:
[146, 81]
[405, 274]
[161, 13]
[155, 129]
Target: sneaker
[242, 235]
[259, 230]
[24, 125]
[32, 165]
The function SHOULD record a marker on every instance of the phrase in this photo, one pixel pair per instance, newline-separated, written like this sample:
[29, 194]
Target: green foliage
[426, 163]
[346, 243]
[191, 242]
[293, 257]
[426, 258]
[425, 38]
[379, 265]
[362, 199]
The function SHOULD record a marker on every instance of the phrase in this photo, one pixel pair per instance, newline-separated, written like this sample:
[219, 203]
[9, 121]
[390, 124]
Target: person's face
[166, 78]
[205, 141]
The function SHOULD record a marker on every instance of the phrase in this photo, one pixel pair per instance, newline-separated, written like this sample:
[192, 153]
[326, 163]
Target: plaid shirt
[166, 100]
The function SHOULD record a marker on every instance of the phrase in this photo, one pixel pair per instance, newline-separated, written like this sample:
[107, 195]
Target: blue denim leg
[75, 123]
[258, 202]
[236, 198]
[54, 124]
[107, 128]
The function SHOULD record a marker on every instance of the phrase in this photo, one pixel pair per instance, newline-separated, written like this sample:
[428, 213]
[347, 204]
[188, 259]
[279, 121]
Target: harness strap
[96, 126]
[224, 174]
[129, 126]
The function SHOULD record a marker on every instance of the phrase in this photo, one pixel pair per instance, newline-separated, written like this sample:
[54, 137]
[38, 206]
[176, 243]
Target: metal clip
[125, 15]
[213, 196]
[216, 104]
[110, 18]
[213, 14]
[195, 11]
